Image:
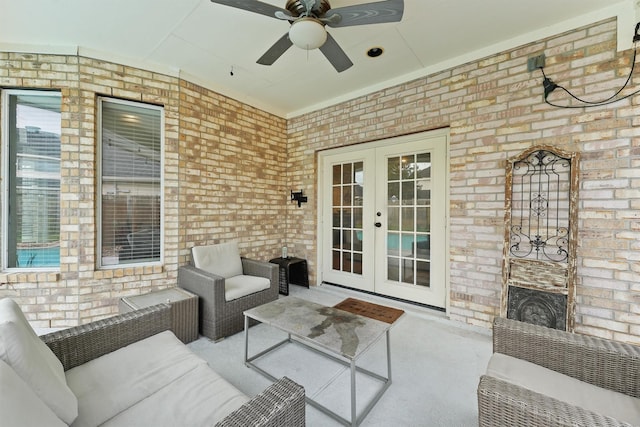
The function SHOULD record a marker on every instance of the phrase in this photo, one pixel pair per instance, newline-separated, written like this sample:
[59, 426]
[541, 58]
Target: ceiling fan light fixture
[307, 33]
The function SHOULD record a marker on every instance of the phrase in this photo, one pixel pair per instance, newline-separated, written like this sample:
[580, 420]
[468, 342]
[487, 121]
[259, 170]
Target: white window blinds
[131, 184]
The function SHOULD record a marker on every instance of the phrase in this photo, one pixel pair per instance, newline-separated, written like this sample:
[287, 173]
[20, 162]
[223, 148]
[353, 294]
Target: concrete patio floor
[436, 365]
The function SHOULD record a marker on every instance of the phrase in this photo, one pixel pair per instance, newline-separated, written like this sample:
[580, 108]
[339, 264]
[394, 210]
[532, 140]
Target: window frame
[99, 181]
[5, 94]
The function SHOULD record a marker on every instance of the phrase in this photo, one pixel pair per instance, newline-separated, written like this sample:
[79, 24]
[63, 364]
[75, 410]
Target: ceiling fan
[308, 19]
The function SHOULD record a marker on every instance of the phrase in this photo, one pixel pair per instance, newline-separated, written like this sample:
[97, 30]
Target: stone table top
[337, 331]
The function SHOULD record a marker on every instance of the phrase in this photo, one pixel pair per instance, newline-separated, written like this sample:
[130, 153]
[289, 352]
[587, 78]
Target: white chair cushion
[116, 381]
[240, 286]
[564, 388]
[20, 406]
[222, 259]
[199, 398]
[34, 362]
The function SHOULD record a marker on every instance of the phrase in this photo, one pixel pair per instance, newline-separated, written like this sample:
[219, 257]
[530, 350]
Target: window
[31, 125]
[130, 181]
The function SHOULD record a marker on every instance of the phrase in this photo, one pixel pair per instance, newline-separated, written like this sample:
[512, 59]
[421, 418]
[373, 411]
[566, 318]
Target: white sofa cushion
[34, 362]
[20, 406]
[222, 259]
[564, 388]
[199, 398]
[239, 286]
[116, 381]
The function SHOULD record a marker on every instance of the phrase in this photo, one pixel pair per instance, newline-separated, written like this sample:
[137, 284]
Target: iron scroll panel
[540, 207]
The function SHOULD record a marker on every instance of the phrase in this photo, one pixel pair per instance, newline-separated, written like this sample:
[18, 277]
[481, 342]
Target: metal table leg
[354, 416]
[246, 339]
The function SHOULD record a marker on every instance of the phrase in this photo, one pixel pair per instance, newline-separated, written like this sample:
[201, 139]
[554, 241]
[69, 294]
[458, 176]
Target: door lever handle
[378, 224]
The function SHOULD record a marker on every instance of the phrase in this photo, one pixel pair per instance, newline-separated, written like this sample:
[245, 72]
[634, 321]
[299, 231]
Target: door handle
[378, 224]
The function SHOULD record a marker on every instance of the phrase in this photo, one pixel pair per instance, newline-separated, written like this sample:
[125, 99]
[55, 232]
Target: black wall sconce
[298, 197]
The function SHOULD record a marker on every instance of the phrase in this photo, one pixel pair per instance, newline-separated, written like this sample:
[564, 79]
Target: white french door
[383, 217]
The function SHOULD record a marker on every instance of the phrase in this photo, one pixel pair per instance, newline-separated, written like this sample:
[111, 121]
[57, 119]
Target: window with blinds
[131, 139]
[31, 125]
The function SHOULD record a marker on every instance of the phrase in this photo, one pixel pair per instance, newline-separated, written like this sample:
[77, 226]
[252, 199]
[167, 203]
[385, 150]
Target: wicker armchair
[603, 363]
[281, 404]
[210, 278]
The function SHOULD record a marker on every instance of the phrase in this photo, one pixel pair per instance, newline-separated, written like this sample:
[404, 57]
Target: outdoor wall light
[298, 197]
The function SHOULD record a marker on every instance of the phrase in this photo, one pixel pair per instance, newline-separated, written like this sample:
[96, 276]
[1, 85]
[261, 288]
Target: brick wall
[232, 174]
[494, 110]
[229, 169]
[224, 179]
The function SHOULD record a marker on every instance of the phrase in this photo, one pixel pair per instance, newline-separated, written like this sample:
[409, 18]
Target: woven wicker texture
[281, 404]
[598, 361]
[503, 404]
[78, 345]
[604, 363]
[220, 318]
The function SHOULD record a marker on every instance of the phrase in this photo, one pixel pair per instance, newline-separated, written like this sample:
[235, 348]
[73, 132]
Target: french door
[383, 221]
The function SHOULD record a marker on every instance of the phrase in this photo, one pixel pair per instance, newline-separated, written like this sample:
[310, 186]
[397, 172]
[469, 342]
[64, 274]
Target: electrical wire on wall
[549, 85]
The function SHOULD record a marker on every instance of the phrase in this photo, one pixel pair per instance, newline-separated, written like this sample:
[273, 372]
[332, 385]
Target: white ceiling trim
[230, 93]
[39, 49]
[624, 11]
[128, 61]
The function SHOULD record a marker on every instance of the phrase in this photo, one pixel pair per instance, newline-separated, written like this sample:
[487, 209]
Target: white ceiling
[201, 41]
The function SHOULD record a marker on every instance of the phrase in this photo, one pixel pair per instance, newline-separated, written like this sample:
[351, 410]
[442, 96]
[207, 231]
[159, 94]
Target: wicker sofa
[545, 377]
[126, 370]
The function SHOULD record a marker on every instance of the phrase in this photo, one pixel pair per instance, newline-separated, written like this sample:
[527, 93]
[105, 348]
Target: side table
[292, 271]
[184, 309]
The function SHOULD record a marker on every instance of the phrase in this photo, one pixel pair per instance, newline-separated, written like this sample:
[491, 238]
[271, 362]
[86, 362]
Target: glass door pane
[383, 209]
[347, 223]
[409, 219]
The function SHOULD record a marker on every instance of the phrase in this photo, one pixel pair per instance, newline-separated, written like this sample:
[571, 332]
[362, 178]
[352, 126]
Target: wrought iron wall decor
[540, 206]
[541, 230]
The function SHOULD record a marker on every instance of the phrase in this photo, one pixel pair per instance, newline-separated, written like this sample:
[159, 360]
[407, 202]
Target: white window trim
[4, 188]
[99, 178]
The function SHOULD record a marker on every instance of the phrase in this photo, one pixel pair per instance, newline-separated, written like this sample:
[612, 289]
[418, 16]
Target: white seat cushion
[240, 286]
[199, 398]
[223, 259]
[562, 387]
[114, 382]
[20, 406]
[34, 362]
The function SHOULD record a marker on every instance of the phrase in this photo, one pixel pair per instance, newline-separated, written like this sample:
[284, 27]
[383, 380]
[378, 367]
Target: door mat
[371, 310]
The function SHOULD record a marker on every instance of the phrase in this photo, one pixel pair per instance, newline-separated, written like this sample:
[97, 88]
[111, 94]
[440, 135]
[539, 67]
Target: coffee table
[337, 334]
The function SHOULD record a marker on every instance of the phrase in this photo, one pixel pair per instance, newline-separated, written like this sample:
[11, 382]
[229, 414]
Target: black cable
[550, 86]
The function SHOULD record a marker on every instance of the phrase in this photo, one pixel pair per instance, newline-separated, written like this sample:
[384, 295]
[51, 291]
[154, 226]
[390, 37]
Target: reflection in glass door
[346, 207]
[383, 217]
[348, 256]
[411, 249]
[409, 219]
